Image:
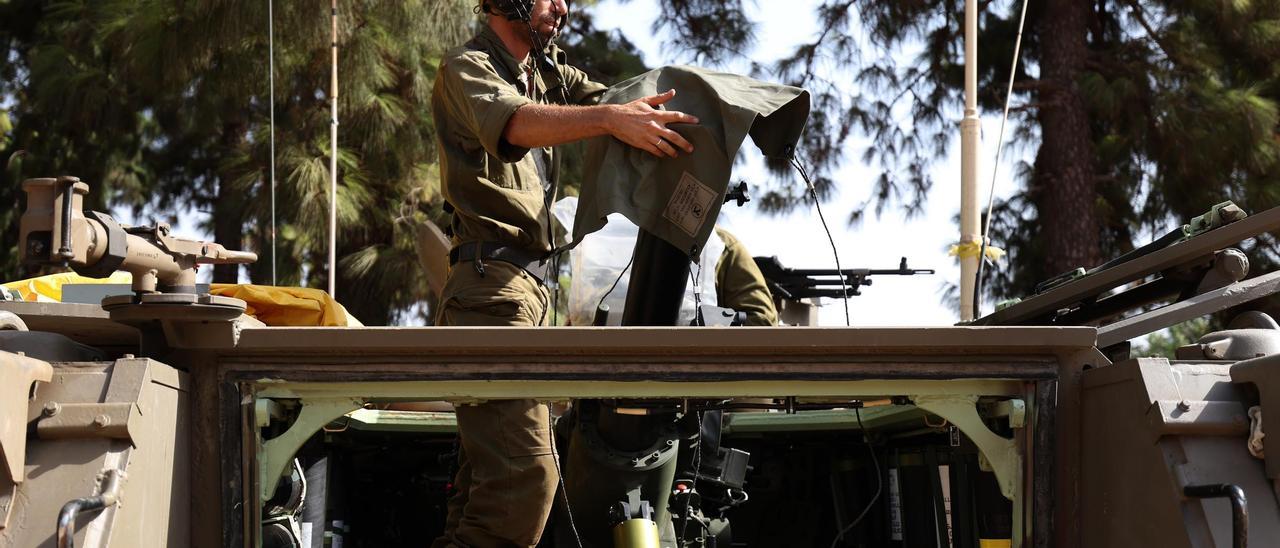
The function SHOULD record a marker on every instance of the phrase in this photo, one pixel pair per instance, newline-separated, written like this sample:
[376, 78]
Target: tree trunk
[1066, 201]
[229, 208]
[228, 229]
[1066, 193]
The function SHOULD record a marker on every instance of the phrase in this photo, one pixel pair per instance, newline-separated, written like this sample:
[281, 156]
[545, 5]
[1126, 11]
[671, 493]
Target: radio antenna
[271, 103]
[333, 151]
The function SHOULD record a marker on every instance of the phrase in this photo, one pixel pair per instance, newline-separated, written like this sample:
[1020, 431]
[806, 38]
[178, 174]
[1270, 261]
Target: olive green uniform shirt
[740, 285]
[498, 191]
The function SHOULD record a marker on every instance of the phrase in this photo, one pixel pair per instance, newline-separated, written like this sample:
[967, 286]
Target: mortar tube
[658, 280]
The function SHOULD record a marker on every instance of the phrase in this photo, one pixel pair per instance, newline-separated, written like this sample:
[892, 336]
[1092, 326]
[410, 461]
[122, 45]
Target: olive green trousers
[507, 475]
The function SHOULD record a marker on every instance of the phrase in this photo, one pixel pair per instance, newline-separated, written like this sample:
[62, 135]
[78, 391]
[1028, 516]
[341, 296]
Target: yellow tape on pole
[971, 249]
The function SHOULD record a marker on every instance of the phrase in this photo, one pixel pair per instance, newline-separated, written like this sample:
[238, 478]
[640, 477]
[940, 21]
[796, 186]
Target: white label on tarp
[690, 204]
[895, 506]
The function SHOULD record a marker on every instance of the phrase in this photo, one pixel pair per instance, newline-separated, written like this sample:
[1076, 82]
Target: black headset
[516, 10]
[513, 10]
[521, 10]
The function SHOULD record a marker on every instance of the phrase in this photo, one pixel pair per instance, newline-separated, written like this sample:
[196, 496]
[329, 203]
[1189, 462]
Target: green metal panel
[470, 391]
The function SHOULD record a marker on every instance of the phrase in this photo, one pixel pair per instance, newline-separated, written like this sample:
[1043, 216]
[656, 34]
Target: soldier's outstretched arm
[638, 123]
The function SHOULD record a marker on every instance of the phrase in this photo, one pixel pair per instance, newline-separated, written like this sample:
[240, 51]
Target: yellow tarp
[48, 289]
[284, 306]
[291, 306]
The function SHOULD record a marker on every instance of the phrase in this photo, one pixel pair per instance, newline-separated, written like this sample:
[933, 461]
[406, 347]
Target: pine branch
[1035, 105]
[1169, 51]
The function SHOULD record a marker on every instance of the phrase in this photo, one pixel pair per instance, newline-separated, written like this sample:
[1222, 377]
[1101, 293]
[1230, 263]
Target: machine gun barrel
[858, 272]
[803, 283]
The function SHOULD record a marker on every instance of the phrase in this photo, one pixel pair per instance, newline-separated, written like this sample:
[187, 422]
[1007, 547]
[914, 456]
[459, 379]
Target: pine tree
[1142, 113]
[163, 106]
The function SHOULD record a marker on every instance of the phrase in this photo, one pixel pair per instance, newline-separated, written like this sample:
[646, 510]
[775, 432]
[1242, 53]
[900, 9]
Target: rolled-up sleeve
[483, 102]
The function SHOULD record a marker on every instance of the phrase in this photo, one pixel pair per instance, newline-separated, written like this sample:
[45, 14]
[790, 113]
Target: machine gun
[807, 283]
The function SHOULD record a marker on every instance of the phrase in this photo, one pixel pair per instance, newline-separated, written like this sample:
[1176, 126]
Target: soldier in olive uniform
[740, 285]
[500, 102]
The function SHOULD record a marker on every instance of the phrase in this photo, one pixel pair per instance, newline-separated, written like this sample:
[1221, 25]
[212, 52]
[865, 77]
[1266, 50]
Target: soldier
[740, 285]
[496, 117]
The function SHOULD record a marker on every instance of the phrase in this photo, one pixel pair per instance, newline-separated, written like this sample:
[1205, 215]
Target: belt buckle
[478, 263]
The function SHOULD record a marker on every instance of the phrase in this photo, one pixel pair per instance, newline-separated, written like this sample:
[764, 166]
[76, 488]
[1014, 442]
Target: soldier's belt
[530, 261]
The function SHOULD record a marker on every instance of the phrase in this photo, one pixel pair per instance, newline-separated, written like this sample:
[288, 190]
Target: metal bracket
[1015, 409]
[278, 452]
[265, 409]
[113, 420]
[17, 374]
[1002, 453]
[1205, 303]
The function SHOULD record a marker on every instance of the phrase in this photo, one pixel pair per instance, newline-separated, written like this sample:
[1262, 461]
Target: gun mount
[55, 230]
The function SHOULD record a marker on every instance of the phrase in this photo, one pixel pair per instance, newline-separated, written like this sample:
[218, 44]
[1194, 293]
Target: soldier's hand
[643, 125]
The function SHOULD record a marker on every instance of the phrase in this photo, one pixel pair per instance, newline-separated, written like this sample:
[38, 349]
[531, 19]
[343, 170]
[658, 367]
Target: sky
[797, 239]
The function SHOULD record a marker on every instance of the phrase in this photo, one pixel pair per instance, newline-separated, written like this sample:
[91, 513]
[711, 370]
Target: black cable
[564, 492]
[844, 286]
[697, 296]
[553, 274]
[555, 266]
[548, 194]
[522, 12]
[693, 486]
[977, 280]
[537, 53]
[615, 281]
[879, 481]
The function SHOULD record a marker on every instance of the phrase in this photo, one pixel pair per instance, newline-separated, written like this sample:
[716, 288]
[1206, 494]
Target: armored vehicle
[169, 414]
[168, 417]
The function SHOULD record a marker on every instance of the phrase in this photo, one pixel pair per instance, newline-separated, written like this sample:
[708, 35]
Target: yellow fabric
[48, 289]
[292, 306]
[970, 249]
[288, 306]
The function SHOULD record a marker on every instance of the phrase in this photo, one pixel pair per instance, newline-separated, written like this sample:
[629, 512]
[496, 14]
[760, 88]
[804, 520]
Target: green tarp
[678, 199]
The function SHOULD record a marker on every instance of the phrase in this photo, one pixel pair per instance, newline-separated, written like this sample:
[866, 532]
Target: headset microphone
[522, 10]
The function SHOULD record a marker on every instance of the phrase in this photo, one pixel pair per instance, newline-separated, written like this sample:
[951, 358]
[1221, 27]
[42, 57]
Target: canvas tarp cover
[678, 199]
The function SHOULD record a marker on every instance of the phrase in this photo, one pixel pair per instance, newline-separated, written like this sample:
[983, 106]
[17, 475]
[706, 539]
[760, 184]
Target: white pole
[333, 152]
[970, 134]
